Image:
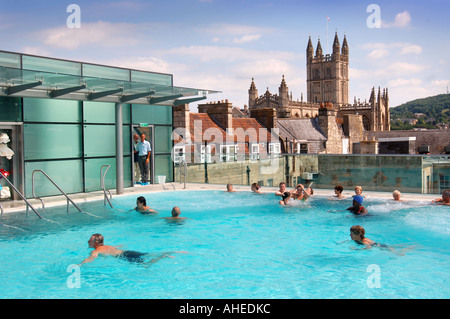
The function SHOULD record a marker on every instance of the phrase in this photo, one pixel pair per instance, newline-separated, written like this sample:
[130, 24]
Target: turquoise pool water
[240, 245]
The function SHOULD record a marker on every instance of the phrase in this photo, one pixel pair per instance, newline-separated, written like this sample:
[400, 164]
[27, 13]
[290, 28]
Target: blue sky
[221, 45]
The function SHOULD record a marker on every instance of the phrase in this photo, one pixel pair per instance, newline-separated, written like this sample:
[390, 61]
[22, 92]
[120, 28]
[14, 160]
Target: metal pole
[119, 149]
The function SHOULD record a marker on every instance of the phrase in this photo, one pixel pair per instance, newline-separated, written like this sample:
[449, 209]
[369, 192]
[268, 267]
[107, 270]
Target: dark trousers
[144, 169]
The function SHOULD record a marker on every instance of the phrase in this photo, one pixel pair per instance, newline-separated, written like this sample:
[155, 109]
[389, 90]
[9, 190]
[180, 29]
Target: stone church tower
[327, 75]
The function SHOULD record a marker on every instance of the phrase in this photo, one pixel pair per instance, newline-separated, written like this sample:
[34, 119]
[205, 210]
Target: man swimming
[100, 249]
[176, 212]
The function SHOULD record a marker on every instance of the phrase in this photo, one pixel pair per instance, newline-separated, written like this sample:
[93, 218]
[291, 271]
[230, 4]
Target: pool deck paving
[19, 205]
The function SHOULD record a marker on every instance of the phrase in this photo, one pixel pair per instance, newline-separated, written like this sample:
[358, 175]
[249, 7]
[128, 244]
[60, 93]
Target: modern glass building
[70, 118]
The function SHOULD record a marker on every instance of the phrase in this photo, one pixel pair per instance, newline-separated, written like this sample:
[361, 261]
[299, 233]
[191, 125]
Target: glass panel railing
[51, 65]
[383, 173]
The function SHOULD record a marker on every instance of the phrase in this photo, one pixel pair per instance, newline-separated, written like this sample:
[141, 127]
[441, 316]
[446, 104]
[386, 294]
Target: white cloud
[399, 69]
[378, 53]
[228, 29]
[219, 53]
[35, 51]
[356, 73]
[440, 83]
[99, 33]
[234, 33]
[402, 20]
[263, 68]
[411, 49]
[404, 82]
[246, 38]
[151, 64]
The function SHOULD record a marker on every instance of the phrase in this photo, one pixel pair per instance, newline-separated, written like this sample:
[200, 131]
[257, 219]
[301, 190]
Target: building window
[254, 151]
[274, 149]
[205, 153]
[228, 153]
[179, 154]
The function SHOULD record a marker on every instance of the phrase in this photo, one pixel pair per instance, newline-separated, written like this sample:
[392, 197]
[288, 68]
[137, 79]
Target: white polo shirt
[144, 148]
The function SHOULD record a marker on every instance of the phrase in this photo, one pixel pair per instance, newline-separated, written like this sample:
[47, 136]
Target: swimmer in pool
[285, 198]
[396, 195]
[282, 189]
[256, 188]
[230, 189]
[445, 200]
[97, 242]
[357, 234]
[299, 192]
[142, 206]
[358, 190]
[357, 207]
[338, 192]
[176, 211]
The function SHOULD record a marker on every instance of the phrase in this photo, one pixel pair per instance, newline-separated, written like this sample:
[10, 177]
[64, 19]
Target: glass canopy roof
[31, 76]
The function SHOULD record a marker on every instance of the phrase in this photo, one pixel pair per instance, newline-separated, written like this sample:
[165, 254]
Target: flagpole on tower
[328, 19]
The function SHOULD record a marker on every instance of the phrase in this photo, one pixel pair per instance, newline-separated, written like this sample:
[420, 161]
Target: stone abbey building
[327, 83]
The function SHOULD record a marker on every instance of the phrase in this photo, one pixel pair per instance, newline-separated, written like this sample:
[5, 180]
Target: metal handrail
[102, 185]
[21, 196]
[184, 172]
[48, 177]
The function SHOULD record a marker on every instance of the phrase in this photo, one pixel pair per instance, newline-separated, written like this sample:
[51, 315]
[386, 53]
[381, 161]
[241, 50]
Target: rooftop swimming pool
[239, 245]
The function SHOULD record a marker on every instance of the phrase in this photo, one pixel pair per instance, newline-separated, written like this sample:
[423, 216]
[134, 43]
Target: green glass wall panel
[103, 112]
[100, 71]
[51, 65]
[47, 110]
[163, 166]
[163, 139]
[10, 60]
[68, 175]
[152, 114]
[149, 77]
[52, 141]
[92, 173]
[10, 109]
[100, 140]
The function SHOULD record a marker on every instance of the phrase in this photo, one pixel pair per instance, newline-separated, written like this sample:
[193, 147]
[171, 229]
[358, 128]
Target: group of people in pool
[97, 240]
[357, 233]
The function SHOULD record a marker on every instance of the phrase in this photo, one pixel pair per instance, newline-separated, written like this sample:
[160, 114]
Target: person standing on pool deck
[145, 151]
[97, 242]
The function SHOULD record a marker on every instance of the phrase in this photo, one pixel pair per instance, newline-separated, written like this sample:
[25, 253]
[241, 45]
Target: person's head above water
[396, 194]
[176, 211]
[141, 200]
[357, 232]
[96, 240]
[358, 199]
